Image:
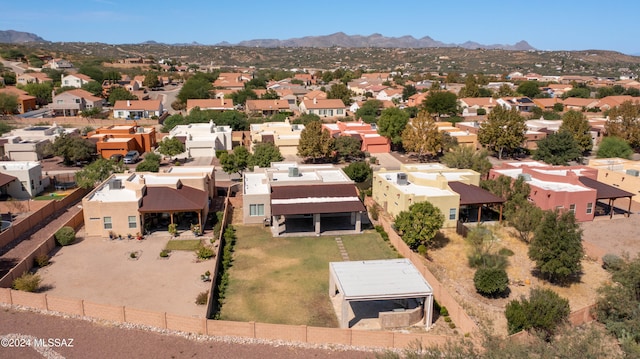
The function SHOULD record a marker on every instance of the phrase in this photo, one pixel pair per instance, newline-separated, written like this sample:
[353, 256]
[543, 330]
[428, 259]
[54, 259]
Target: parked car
[131, 157]
[116, 157]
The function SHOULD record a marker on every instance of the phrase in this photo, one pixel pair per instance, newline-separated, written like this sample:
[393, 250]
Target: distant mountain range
[17, 37]
[341, 39]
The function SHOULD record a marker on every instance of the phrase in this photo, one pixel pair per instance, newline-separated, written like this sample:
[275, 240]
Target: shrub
[382, 232]
[164, 253]
[452, 325]
[220, 153]
[488, 260]
[202, 297]
[447, 319]
[491, 281]
[28, 282]
[422, 250]
[544, 310]
[374, 211]
[133, 255]
[42, 260]
[205, 252]
[443, 311]
[612, 262]
[505, 252]
[65, 236]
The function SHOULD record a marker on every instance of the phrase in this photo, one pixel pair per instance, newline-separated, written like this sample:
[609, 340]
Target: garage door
[201, 152]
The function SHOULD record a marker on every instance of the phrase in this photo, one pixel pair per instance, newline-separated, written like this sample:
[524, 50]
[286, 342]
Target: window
[572, 208]
[107, 223]
[589, 208]
[339, 111]
[132, 222]
[452, 213]
[559, 207]
[256, 209]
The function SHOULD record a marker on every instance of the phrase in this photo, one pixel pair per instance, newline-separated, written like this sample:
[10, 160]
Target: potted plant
[129, 236]
[206, 276]
[195, 228]
[112, 235]
[173, 229]
[139, 236]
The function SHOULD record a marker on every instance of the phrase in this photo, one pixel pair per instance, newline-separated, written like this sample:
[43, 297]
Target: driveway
[167, 96]
[386, 160]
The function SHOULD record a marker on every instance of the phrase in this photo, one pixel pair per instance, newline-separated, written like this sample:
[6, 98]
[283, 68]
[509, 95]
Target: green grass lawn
[286, 280]
[49, 197]
[183, 245]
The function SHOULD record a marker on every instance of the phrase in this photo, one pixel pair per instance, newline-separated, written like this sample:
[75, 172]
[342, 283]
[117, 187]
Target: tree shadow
[439, 241]
[563, 282]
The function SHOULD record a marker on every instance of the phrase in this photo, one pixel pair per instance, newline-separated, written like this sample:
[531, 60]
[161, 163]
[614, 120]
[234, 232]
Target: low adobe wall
[163, 320]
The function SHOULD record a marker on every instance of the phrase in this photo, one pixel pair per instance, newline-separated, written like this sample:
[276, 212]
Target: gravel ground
[618, 235]
[97, 339]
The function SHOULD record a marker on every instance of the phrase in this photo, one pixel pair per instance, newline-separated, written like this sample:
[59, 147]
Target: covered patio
[606, 192]
[474, 197]
[184, 199]
[396, 282]
[318, 209]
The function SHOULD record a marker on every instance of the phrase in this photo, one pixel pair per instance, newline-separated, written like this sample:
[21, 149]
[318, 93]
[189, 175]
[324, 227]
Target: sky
[545, 25]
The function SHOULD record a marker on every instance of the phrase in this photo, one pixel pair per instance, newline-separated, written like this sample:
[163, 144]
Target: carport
[604, 191]
[375, 280]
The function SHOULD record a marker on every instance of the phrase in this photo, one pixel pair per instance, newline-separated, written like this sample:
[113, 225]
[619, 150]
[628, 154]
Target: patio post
[629, 210]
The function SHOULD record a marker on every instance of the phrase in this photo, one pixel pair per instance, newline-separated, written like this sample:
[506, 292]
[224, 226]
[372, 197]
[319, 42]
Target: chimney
[315, 100]
[128, 103]
[222, 101]
[141, 180]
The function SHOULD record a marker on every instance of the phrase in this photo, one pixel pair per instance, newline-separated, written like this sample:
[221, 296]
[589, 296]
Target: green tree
[470, 88]
[544, 310]
[305, 118]
[264, 154]
[315, 142]
[525, 220]
[171, 146]
[556, 246]
[151, 80]
[408, 91]
[611, 147]
[557, 149]
[441, 103]
[558, 107]
[624, 122]
[421, 135]
[419, 225]
[348, 148]
[270, 95]
[92, 71]
[235, 162]
[391, 123]
[98, 171]
[151, 163]
[514, 192]
[369, 111]
[529, 89]
[617, 305]
[504, 130]
[505, 90]
[73, 148]
[94, 87]
[41, 91]
[581, 92]
[577, 125]
[358, 171]
[340, 92]
[197, 87]
[120, 94]
[463, 156]
[241, 96]
[8, 103]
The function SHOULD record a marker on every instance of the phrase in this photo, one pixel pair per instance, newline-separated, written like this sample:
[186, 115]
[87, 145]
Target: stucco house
[120, 139]
[75, 80]
[221, 104]
[370, 140]
[132, 109]
[298, 199]
[73, 102]
[203, 139]
[131, 203]
[284, 135]
[26, 102]
[30, 181]
[324, 108]
[32, 78]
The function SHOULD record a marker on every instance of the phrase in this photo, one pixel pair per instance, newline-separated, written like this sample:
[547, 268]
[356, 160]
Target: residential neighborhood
[300, 204]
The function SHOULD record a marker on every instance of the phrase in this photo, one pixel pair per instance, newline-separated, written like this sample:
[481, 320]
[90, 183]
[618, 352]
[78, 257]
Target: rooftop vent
[402, 179]
[115, 184]
[293, 172]
[635, 173]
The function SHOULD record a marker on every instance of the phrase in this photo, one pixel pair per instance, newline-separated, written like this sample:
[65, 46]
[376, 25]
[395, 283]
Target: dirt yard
[449, 265]
[618, 235]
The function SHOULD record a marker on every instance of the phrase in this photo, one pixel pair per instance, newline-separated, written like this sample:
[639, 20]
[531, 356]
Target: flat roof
[18, 165]
[253, 183]
[379, 279]
[548, 185]
[415, 189]
[108, 194]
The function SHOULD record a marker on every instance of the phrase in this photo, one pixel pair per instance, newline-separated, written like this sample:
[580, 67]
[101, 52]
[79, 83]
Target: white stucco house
[203, 139]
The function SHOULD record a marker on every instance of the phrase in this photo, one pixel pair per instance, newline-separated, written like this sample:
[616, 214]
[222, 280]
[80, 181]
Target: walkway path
[14, 252]
[343, 251]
